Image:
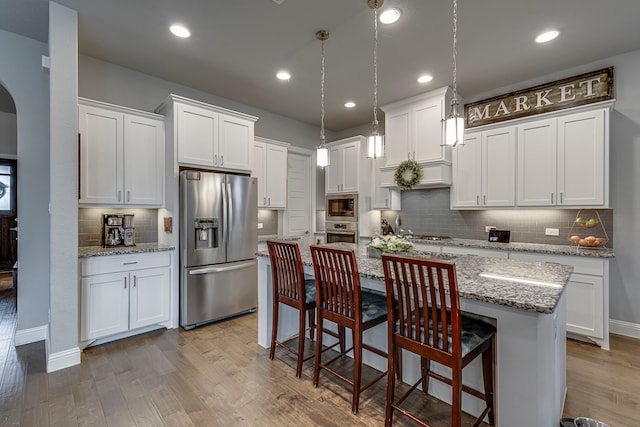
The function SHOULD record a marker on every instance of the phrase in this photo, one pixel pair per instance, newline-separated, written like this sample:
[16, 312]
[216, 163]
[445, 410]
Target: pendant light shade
[322, 152]
[375, 141]
[454, 124]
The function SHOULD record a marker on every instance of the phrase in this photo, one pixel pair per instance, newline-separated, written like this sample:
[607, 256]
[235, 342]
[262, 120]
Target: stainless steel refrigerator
[218, 243]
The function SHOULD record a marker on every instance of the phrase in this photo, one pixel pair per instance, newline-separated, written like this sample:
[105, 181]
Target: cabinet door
[427, 131]
[350, 167]
[499, 167]
[105, 305]
[101, 155]
[383, 197]
[537, 161]
[276, 179]
[235, 145]
[197, 135]
[467, 167]
[259, 171]
[150, 299]
[143, 160]
[581, 159]
[585, 312]
[333, 172]
[397, 133]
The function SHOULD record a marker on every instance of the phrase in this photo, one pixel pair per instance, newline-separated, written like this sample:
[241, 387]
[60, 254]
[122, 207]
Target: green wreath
[407, 174]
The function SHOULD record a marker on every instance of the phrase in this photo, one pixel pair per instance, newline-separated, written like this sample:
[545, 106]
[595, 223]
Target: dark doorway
[8, 213]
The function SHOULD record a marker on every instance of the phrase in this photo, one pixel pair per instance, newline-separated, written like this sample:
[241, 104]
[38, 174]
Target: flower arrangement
[389, 244]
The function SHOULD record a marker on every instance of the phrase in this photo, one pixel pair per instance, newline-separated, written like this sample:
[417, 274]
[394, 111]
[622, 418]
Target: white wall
[8, 134]
[22, 75]
[111, 83]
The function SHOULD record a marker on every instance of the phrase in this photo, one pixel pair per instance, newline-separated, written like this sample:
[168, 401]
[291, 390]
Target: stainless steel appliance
[128, 230]
[111, 229]
[342, 207]
[346, 232]
[218, 243]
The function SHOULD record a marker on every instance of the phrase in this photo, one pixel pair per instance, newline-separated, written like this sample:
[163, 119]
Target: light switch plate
[552, 231]
[260, 225]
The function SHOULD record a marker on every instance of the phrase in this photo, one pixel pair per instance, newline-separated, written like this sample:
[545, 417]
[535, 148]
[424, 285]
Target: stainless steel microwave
[342, 207]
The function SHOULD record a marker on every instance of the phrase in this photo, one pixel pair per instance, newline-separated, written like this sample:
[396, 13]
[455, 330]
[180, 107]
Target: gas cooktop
[430, 237]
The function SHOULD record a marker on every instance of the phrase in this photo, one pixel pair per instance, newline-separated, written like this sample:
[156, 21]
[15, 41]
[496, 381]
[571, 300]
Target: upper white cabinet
[343, 175]
[563, 161]
[210, 136]
[383, 197]
[484, 170]
[121, 155]
[270, 167]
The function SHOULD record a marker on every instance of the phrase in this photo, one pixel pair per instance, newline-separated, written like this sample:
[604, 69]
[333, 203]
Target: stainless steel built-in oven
[342, 207]
[346, 232]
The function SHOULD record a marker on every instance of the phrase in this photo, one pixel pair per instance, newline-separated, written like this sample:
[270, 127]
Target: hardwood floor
[218, 376]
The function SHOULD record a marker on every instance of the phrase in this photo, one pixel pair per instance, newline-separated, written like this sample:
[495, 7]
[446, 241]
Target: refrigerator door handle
[229, 211]
[220, 269]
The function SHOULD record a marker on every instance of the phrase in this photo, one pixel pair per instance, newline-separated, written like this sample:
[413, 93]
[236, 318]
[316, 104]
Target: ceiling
[237, 46]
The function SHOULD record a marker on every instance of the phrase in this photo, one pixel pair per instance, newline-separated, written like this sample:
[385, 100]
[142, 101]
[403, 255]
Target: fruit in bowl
[591, 223]
[589, 241]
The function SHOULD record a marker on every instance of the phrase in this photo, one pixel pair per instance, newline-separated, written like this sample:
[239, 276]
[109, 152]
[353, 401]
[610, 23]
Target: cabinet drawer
[581, 265]
[125, 262]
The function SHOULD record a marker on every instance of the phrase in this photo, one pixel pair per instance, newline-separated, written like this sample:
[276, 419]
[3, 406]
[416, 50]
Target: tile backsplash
[428, 212]
[90, 224]
[269, 220]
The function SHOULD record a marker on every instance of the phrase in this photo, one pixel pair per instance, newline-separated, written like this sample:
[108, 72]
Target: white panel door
[298, 214]
[467, 172]
[397, 133]
[581, 159]
[235, 145]
[143, 161]
[427, 130]
[585, 312]
[101, 155]
[276, 179]
[499, 167]
[537, 163]
[350, 167]
[259, 171]
[197, 135]
[150, 297]
[105, 305]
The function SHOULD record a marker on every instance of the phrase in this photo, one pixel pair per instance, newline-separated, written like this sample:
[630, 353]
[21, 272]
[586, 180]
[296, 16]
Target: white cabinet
[270, 167]
[383, 197]
[210, 136]
[587, 294]
[563, 161]
[345, 166]
[484, 170]
[124, 292]
[121, 155]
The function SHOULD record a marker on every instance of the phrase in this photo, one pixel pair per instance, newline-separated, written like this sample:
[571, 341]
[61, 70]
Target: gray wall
[428, 212]
[122, 86]
[8, 134]
[23, 77]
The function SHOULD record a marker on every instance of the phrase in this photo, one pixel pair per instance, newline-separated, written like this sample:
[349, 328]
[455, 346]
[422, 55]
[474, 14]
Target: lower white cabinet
[124, 292]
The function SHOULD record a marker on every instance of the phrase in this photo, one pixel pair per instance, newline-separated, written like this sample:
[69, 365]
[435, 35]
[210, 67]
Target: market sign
[586, 88]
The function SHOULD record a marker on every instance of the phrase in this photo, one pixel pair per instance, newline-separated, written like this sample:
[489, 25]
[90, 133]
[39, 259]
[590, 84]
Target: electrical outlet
[260, 225]
[488, 228]
[552, 231]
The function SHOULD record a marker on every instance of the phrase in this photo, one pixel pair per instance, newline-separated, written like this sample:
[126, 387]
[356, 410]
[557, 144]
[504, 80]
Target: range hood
[435, 174]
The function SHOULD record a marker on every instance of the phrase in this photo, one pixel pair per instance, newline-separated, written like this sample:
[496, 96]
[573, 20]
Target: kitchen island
[525, 299]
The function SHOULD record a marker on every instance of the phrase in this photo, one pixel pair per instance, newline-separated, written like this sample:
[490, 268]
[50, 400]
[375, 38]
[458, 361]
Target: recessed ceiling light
[391, 15]
[548, 36]
[180, 31]
[425, 78]
[283, 75]
[349, 104]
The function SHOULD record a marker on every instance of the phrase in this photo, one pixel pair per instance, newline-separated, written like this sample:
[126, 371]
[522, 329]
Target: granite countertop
[529, 286]
[92, 251]
[263, 239]
[523, 247]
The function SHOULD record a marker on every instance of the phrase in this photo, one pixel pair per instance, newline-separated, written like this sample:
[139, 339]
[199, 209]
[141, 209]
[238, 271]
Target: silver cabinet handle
[215, 159]
[484, 199]
[552, 198]
[135, 281]
[125, 283]
[221, 160]
[409, 155]
[386, 202]
[269, 201]
[561, 197]
[119, 195]
[128, 195]
[130, 263]
[264, 201]
[477, 200]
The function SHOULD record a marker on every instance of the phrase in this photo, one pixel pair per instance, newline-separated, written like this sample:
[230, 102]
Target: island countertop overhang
[529, 286]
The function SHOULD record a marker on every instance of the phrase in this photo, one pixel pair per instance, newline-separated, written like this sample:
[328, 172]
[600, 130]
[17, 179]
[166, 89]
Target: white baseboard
[27, 336]
[627, 329]
[63, 359]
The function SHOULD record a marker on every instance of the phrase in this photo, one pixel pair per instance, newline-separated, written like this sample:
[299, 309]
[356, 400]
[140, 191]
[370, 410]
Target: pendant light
[454, 125]
[375, 141]
[322, 152]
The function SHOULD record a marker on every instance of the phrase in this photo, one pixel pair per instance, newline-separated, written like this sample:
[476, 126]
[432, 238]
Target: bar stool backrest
[287, 271]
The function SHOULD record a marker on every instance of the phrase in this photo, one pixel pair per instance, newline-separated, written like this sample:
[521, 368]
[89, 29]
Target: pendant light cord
[455, 51]
[375, 69]
[322, 98]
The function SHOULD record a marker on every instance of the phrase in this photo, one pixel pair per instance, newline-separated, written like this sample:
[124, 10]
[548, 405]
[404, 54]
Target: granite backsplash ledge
[428, 212]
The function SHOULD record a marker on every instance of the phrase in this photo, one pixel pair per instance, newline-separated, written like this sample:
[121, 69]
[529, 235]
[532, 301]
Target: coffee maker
[118, 230]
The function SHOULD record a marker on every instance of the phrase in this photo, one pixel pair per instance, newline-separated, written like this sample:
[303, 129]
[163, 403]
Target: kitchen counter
[523, 285]
[263, 239]
[93, 251]
[523, 247]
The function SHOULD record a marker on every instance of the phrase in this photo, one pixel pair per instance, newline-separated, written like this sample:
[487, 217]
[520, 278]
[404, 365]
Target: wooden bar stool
[292, 289]
[341, 300]
[429, 323]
